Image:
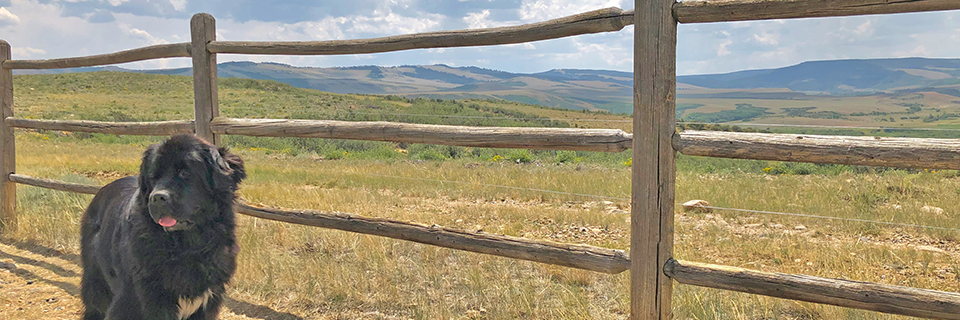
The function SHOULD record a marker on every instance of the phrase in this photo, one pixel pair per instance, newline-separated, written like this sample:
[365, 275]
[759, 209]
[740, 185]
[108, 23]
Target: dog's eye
[183, 174]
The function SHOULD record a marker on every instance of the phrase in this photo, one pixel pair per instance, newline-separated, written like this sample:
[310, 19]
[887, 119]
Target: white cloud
[179, 5]
[722, 49]
[539, 10]
[26, 52]
[7, 17]
[117, 3]
[614, 56]
[477, 20]
[864, 29]
[389, 23]
[326, 29]
[767, 38]
[142, 35]
[525, 45]
[918, 51]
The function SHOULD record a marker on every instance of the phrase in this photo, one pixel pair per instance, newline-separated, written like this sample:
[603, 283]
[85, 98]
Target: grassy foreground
[318, 273]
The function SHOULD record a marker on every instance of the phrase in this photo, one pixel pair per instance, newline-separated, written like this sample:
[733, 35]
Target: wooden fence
[654, 142]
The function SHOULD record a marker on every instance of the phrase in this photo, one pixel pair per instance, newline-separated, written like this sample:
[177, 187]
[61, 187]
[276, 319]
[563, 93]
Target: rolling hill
[603, 89]
[840, 76]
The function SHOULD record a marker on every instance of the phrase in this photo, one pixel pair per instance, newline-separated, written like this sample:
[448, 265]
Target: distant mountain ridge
[839, 76]
[597, 89]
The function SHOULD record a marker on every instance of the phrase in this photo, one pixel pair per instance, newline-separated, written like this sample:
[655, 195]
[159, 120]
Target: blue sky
[39, 29]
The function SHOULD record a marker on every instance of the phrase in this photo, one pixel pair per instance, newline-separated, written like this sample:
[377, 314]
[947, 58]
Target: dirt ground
[41, 283]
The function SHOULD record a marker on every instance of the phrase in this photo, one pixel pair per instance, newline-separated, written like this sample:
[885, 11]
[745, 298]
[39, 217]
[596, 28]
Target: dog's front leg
[210, 308]
[123, 306]
[156, 304]
[128, 304]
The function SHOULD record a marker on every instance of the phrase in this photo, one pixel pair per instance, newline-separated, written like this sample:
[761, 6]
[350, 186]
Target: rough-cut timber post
[203, 30]
[8, 164]
[654, 92]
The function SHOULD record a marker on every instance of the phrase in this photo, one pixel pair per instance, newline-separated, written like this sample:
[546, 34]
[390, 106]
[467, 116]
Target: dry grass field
[877, 110]
[296, 272]
[289, 272]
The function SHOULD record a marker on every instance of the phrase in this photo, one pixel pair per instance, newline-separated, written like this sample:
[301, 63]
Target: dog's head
[186, 181]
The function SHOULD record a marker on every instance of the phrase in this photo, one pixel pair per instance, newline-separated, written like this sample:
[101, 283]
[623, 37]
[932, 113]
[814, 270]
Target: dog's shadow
[257, 311]
[236, 306]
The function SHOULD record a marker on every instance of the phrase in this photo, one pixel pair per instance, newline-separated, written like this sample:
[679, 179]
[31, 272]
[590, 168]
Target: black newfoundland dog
[162, 246]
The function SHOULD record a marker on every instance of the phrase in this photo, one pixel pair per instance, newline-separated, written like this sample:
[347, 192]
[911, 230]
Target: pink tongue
[167, 221]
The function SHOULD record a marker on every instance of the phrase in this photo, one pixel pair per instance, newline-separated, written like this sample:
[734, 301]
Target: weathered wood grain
[742, 10]
[146, 53]
[919, 153]
[603, 20]
[158, 128]
[609, 140]
[569, 255]
[845, 293]
[206, 101]
[869, 151]
[8, 154]
[653, 164]
[53, 184]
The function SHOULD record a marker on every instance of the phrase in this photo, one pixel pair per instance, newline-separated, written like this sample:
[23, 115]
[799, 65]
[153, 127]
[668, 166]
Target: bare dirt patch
[104, 175]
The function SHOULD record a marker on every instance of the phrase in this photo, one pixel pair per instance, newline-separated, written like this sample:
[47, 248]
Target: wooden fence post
[8, 161]
[654, 105]
[206, 106]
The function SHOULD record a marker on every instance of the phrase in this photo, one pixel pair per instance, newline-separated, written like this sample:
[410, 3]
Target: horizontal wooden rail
[54, 184]
[920, 153]
[608, 140]
[603, 20]
[845, 293]
[868, 151]
[742, 10]
[157, 128]
[569, 255]
[146, 53]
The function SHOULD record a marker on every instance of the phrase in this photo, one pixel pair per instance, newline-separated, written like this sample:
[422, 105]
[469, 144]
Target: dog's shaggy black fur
[136, 268]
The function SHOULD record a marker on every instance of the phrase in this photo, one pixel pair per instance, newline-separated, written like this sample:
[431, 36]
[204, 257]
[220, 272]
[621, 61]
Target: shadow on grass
[257, 311]
[28, 276]
[236, 306]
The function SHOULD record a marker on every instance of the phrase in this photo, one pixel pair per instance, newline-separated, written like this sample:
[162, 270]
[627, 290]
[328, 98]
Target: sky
[42, 29]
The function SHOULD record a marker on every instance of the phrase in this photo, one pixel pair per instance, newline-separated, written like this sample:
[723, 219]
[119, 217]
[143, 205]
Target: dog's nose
[159, 197]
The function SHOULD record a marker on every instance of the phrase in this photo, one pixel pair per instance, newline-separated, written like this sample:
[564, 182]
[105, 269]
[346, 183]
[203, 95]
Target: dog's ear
[235, 163]
[147, 167]
[226, 165]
